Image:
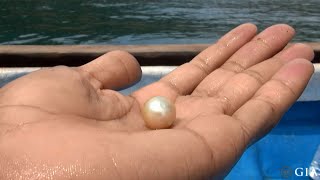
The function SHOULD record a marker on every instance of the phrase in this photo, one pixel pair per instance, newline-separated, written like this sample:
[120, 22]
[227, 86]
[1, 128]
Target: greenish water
[147, 21]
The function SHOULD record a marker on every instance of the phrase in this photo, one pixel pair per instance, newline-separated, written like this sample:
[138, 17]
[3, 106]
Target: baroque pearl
[159, 113]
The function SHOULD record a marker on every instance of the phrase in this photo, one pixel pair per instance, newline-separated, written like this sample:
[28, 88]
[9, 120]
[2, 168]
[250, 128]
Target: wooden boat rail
[74, 55]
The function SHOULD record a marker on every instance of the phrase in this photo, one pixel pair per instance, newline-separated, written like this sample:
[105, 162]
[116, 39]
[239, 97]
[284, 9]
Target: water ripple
[147, 22]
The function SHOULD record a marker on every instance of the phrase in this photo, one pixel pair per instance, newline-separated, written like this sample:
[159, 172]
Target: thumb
[113, 70]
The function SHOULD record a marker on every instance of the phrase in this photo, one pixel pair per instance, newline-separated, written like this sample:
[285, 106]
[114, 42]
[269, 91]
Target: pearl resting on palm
[159, 113]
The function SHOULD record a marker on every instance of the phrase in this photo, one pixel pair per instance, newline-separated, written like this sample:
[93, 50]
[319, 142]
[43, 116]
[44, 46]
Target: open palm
[69, 123]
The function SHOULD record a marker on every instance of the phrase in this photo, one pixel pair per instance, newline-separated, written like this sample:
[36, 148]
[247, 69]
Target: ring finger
[243, 86]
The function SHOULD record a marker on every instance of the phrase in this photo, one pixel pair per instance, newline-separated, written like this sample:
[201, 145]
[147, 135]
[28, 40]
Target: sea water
[148, 22]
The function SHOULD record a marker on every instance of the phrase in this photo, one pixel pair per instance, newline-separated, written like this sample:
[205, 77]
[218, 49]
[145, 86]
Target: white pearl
[159, 113]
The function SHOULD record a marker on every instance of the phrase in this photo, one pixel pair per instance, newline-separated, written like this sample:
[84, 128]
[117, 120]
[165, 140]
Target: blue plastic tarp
[287, 151]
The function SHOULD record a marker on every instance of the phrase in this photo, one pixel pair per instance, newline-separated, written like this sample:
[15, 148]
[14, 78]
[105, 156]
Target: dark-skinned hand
[69, 123]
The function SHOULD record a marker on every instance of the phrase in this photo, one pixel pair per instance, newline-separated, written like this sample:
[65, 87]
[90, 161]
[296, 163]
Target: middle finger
[263, 46]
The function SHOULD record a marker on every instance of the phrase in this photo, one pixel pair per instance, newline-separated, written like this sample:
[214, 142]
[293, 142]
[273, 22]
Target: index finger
[185, 78]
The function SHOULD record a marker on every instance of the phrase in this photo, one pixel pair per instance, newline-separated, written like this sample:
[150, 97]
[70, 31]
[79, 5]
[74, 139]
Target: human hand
[68, 123]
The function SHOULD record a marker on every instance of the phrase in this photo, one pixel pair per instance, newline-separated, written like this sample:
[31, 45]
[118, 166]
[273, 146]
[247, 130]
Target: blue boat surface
[285, 153]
